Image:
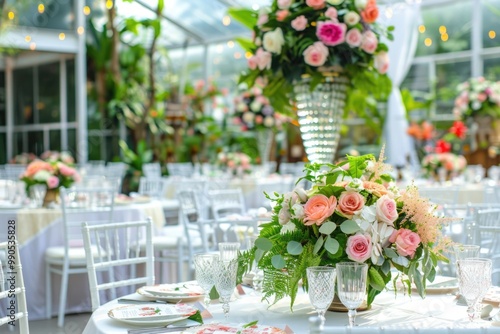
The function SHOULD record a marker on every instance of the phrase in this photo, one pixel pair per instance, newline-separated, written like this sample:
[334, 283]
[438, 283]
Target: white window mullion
[63, 95]
[9, 98]
[476, 39]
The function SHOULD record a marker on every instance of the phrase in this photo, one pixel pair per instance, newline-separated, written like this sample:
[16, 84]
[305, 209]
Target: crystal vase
[264, 144]
[320, 114]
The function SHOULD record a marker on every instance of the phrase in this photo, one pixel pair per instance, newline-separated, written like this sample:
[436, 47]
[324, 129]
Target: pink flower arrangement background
[477, 96]
[293, 38]
[351, 213]
[450, 162]
[235, 162]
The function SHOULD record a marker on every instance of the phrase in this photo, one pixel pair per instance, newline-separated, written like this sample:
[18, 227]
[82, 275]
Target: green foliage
[136, 159]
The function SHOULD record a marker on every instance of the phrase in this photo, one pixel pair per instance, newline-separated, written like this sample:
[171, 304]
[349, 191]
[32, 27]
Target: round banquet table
[436, 314]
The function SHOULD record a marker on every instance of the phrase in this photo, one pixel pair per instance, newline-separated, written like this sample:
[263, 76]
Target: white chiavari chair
[152, 170]
[184, 169]
[487, 235]
[153, 187]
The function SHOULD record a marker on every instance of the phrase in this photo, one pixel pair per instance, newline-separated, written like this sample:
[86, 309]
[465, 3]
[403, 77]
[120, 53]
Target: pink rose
[406, 242]
[318, 208]
[359, 247]
[350, 202]
[264, 59]
[282, 14]
[284, 4]
[252, 62]
[316, 54]
[331, 33]
[331, 13]
[381, 62]
[353, 38]
[263, 18]
[66, 170]
[52, 182]
[369, 42]
[299, 23]
[316, 4]
[386, 210]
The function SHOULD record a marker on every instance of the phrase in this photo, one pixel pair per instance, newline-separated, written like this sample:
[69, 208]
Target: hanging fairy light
[32, 46]
[62, 36]
[421, 28]
[27, 38]
[492, 34]
[11, 15]
[428, 41]
[86, 10]
[226, 20]
[230, 44]
[41, 8]
[444, 37]
[80, 30]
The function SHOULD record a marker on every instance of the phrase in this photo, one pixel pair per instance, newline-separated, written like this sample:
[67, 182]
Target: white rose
[288, 227]
[298, 211]
[241, 106]
[361, 4]
[351, 18]
[248, 117]
[355, 185]
[42, 176]
[255, 105]
[258, 41]
[268, 121]
[274, 40]
[284, 215]
[334, 2]
[301, 193]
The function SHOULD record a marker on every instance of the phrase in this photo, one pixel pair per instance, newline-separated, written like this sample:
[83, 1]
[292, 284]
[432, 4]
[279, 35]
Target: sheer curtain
[405, 17]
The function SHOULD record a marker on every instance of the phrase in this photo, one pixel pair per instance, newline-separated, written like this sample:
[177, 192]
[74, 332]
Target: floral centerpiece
[53, 174]
[296, 38]
[477, 97]
[236, 163]
[451, 163]
[253, 111]
[23, 158]
[349, 214]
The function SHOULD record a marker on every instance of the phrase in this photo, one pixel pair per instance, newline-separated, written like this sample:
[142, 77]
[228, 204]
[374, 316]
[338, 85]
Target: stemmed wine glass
[321, 288]
[351, 286]
[225, 281]
[228, 250]
[474, 280]
[204, 265]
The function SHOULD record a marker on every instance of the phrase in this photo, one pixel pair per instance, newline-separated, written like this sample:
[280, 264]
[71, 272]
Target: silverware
[139, 301]
[165, 329]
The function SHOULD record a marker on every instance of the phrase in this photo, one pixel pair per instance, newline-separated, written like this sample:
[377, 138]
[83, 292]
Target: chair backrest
[226, 202]
[77, 201]
[152, 170]
[154, 187]
[440, 195]
[488, 237]
[14, 171]
[185, 169]
[12, 264]
[120, 247]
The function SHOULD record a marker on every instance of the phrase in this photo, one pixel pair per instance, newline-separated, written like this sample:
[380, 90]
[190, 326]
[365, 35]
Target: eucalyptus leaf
[258, 254]
[401, 260]
[318, 244]
[390, 253]
[294, 248]
[349, 227]
[327, 227]
[278, 261]
[331, 245]
[263, 244]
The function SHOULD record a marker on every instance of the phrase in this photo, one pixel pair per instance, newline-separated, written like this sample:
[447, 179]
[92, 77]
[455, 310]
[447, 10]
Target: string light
[444, 37]
[219, 48]
[237, 55]
[492, 34]
[41, 8]
[32, 46]
[80, 30]
[230, 44]
[27, 38]
[226, 20]
[248, 54]
[421, 28]
[109, 4]
[62, 36]
[11, 15]
[86, 10]
[442, 30]
[428, 41]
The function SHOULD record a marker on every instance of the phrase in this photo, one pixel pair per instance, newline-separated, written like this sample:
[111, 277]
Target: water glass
[37, 194]
[474, 280]
[465, 251]
[321, 288]
[229, 250]
[204, 265]
[225, 281]
[351, 286]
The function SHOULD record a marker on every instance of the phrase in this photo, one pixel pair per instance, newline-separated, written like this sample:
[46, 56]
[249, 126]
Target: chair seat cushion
[171, 242]
[75, 254]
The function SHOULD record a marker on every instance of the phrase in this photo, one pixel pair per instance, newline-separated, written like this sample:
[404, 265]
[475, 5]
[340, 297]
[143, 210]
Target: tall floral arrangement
[477, 96]
[349, 214]
[235, 162]
[293, 38]
[253, 111]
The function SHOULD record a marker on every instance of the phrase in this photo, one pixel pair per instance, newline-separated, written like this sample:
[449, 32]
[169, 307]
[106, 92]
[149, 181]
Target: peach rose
[252, 62]
[359, 247]
[406, 242]
[282, 14]
[318, 208]
[369, 42]
[37, 166]
[264, 59]
[350, 202]
[299, 23]
[386, 210]
[381, 62]
[370, 13]
[284, 4]
[66, 170]
[353, 38]
[316, 4]
[316, 54]
[375, 188]
[331, 13]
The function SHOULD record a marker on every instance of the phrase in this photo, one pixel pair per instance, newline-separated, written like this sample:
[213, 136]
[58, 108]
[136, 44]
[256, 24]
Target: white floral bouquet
[477, 96]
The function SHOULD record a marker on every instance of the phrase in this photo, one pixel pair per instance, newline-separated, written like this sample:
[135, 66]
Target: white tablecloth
[436, 314]
[50, 233]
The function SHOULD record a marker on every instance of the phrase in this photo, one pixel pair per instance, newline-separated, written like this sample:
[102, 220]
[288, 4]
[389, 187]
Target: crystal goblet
[225, 281]
[474, 280]
[321, 288]
[204, 265]
[351, 286]
[228, 250]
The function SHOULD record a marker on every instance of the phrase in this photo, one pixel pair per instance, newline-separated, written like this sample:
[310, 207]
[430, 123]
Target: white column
[476, 38]
[81, 86]
[9, 101]
[63, 107]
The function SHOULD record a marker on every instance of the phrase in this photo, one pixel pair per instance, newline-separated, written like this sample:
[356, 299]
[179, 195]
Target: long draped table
[437, 314]
[38, 229]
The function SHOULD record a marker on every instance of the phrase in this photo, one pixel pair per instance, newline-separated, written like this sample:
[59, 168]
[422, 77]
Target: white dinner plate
[217, 328]
[173, 293]
[441, 285]
[152, 314]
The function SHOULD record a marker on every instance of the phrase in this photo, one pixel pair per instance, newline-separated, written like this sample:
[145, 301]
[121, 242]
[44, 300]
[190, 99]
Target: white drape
[405, 19]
